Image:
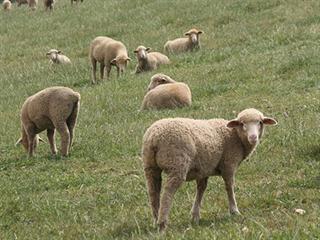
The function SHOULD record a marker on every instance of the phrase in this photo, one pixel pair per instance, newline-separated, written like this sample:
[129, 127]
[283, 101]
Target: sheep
[107, 52]
[189, 43]
[164, 92]
[48, 4]
[148, 61]
[188, 149]
[33, 4]
[50, 109]
[75, 1]
[56, 57]
[20, 2]
[6, 5]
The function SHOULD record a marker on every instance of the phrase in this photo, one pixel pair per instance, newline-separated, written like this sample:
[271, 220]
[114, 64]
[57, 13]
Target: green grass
[256, 53]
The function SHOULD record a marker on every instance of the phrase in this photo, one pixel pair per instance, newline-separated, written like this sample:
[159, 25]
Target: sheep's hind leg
[153, 177]
[50, 135]
[195, 211]
[71, 122]
[63, 130]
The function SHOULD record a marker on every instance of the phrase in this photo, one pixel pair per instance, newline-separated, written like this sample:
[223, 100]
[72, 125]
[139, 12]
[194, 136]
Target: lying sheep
[56, 57]
[75, 1]
[33, 4]
[107, 52]
[190, 43]
[20, 2]
[48, 4]
[6, 4]
[164, 92]
[148, 61]
[50, 109]
[188, 149]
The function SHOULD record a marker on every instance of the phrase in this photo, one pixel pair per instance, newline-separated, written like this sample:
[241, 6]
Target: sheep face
[142, 52]
[53, 54]
[193, 35]
[159, 79]
[250, 125]
[121, 63]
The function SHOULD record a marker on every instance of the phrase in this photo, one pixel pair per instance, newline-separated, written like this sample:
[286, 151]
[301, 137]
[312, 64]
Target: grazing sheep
[20, 2]
[50, 109]
[107, 52]
[148, 61]
[164, 92]
[6, 5]
[48, 4]
[57, 57]
[33, 4]
[75, 1]
[190, 43]
[187, 149]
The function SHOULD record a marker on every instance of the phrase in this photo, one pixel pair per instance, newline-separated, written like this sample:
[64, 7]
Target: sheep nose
[253, 138]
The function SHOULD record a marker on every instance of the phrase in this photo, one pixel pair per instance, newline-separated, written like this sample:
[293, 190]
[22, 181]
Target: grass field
[256, 53]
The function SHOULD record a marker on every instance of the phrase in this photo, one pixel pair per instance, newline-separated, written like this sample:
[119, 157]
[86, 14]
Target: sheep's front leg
[118, 72]
[101, 71]
[94, 69]
[50, 135]
[32, 143]
[228, 178]
[108, 69]
[201, 187]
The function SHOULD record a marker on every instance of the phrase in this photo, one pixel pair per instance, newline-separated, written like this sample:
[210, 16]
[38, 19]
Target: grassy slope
[262, 54]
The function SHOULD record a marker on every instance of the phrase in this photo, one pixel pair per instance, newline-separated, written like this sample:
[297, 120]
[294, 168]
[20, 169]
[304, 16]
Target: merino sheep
[164, 92]
[48, 4]
[6, 5]
[75, 1]
[187, 149]
[33, 4]
[20, 2]
[107, 52]
[56, 57]
[189, 43]
[148, 61]
[50, 109]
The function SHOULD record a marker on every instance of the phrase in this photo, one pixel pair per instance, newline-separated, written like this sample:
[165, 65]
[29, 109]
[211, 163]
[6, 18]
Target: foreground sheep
[20, 2]
[188, 149]
[164, 92]
[148, 61]
[190, 43]
[50, 109]
[56, 57]
[48, 4]
[6, 4]
[107, 52]
[33, 4]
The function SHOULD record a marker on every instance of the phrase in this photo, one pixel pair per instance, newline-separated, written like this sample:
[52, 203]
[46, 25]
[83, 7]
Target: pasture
[255, 53]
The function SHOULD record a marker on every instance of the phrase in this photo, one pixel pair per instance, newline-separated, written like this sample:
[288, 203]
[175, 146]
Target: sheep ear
[48, 53]
[18, 142]
[269, 121]
[200, 32]
[59, 52]
[113, 61]
[148, 49]
[234, 123]
[187, 34]
[128, 59]
[135, 51]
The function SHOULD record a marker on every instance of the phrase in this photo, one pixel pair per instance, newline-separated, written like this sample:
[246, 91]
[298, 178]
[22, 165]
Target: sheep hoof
[162, 227]
[195, 218]
[235, 212]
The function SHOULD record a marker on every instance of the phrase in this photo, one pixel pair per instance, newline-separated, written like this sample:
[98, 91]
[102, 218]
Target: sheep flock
[185, 149]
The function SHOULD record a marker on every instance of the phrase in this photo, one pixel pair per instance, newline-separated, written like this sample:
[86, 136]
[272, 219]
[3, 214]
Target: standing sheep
[107, 52]
[20, 2]
[56, 57]
[6, 5]
[48, 4]
[164, 92]
[188, 149]
[75, 1]
[33, 4]
[148, 61]
[50, 109]
[189, 43]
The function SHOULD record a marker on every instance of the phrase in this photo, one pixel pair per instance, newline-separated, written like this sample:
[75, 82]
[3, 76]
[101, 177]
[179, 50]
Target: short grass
[256, 53]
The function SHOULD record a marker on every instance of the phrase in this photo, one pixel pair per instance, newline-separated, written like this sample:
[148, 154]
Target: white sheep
[50, 109]
[148, 61]
[33, 4]
[48, 4]
[107, 52]
[56, 57]
[6, 4]
[20, 2]
[75, 1]
[189, 43]
[187, 149]
[164, 92]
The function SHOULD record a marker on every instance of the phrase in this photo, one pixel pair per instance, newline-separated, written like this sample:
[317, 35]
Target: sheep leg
[153, 177]
[108, 68]
[32, 143]
[50, 135]
[229, 183]
[101, 70]
[118, 72]
[71, 122]
[201, 187]
[172, 184]
[94, 69]
[63, 130]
